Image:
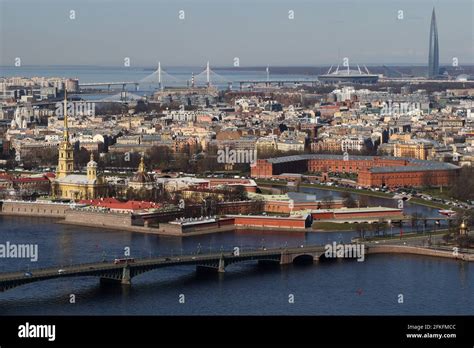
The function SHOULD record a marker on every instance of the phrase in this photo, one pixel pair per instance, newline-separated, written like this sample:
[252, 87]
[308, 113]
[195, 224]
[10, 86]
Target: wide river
[428, 285]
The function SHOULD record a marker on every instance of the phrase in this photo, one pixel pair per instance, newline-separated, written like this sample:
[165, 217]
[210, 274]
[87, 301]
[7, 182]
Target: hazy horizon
[232, 67]
[258, 32]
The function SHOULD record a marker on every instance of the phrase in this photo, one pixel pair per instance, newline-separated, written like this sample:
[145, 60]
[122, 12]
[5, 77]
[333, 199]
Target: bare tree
[348, 200]
[327, 202]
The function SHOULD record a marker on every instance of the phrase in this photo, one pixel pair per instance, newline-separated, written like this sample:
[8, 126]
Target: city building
[351, 214]
[371, 170]
[413, 149]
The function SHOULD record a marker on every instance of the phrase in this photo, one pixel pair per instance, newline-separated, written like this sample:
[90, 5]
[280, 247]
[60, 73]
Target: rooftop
[113, 203]
[358, 210]
[416, 164]
[77, 179]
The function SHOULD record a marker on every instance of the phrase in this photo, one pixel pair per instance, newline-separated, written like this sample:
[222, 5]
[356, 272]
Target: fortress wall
[36, 208]
[98, 219]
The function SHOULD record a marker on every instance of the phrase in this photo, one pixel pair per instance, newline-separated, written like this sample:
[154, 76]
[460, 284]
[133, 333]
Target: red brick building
[284, 207]
[371, 170]
[259, 221]
[40, 184]
[357, 213]
[407, 176]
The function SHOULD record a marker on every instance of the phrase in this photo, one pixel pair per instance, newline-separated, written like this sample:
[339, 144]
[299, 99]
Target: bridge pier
[285, 258]
[221, 268]
[126, 279]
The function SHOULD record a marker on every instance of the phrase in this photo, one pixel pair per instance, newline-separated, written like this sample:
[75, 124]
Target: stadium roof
[350, 72]
[347, 72]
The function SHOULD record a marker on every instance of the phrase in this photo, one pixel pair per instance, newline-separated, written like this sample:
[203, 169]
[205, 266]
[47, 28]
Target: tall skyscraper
[433, 58]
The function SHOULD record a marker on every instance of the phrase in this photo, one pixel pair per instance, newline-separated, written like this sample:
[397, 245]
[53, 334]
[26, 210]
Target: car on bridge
[61, 271]
[125, 260]
[28, 274]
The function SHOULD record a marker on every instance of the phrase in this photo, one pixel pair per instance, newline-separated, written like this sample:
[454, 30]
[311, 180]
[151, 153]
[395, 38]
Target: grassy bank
[333, 226]
[409, 235]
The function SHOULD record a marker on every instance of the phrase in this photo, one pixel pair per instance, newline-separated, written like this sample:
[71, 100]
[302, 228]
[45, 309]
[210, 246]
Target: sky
[257, 32]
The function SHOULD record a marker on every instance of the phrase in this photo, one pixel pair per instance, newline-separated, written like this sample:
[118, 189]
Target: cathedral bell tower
[92, 169]
[66, 151]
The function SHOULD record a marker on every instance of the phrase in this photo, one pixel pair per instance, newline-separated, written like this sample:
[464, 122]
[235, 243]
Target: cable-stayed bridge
[209, 77]
[161, 78]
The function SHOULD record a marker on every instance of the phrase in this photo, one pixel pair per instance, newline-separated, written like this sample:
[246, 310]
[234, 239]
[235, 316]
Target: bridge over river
[124, 272]
[109, 271]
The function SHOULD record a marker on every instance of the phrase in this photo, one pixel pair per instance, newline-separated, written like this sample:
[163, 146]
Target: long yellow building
[418, 150]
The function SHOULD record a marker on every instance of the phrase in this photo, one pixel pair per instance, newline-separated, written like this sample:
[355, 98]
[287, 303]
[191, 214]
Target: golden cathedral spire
[66, 130]
[66, 150]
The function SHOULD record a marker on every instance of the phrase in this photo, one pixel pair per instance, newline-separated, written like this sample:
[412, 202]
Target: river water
[429, 286]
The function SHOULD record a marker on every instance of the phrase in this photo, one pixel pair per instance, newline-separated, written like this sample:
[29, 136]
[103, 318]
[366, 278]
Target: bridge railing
[48, 268]
[212, 250]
